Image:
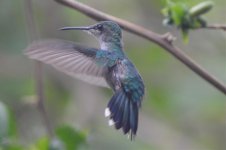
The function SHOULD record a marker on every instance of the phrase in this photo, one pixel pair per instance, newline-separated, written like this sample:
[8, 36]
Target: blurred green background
[180, 110]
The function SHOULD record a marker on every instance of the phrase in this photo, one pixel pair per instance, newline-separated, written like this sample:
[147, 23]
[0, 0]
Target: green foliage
[12, 147]
[7, 124]
[7, 129]
[41, 144]
[70, 137]
[185, 18]
[201, 8]
[67, 138]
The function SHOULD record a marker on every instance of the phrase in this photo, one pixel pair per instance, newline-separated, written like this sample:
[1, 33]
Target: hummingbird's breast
[113, 76]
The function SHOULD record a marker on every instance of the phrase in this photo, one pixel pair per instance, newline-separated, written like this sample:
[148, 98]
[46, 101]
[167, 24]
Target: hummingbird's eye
[100, 27]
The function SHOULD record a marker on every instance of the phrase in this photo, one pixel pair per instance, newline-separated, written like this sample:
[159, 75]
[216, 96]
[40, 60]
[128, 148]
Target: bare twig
[38, 67]
[161, 40]
[215, 27]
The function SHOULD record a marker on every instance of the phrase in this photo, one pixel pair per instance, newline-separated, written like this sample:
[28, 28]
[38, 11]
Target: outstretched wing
[71, 58]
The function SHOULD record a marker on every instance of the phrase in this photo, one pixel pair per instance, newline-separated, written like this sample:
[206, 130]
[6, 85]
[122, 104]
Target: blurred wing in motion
[69, 57]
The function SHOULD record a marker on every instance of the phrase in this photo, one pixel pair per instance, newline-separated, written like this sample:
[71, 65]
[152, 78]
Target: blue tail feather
[126, 122]
[124, 112]
[118, 117]
[133, 117]
[115, 100]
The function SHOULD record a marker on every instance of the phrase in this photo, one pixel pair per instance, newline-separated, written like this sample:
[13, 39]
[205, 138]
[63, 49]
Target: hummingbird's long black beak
[75, 28]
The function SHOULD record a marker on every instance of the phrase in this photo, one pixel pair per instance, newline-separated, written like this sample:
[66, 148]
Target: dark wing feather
[69, 57]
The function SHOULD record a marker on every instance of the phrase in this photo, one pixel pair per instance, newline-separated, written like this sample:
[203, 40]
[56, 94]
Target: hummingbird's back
[129, 91]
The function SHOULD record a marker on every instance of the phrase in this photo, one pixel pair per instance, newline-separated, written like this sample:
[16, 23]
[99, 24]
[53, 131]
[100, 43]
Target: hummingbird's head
[105, 31]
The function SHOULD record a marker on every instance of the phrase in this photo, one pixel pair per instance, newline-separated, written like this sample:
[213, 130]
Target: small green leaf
[70, 137]
[178, 13]
[201, 8]
[185, 18]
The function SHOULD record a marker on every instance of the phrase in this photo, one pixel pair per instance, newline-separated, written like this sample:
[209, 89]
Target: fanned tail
[123, 113]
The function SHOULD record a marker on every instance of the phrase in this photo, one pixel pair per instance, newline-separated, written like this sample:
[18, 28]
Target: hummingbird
[107, 66]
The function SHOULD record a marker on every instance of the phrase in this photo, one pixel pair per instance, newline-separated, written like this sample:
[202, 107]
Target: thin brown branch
[215, 27]
[38, 67]
[149, 35]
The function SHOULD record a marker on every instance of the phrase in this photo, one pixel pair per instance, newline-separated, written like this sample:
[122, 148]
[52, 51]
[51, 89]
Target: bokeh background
[180, 111]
